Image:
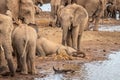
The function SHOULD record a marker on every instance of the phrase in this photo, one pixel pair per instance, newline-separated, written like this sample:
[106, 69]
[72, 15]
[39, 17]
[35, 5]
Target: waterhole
[97, 70]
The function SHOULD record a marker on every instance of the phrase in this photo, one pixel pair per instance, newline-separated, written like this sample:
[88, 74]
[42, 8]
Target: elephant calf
[46, 47]
[24, 44]
[73, 19]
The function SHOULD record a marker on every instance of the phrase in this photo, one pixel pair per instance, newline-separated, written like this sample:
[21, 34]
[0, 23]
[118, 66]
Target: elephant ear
[76, 17]
[60, 10]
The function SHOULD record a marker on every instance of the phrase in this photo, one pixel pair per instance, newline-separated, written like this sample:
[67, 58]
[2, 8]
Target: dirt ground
[95, 44]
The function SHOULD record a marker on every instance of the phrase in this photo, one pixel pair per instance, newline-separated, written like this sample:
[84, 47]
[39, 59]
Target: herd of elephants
[19, 38]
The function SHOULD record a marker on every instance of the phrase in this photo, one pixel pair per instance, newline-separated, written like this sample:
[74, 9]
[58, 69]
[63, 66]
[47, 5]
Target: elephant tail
[24, 50]
[1, 48]
[26, 41]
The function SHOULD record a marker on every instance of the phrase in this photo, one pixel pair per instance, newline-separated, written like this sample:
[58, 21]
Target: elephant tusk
[1, 48]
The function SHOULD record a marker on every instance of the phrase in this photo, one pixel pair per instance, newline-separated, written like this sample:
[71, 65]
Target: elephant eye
[27, 12]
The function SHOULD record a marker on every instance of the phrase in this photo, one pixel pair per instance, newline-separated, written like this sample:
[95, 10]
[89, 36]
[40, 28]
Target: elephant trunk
[64, 35]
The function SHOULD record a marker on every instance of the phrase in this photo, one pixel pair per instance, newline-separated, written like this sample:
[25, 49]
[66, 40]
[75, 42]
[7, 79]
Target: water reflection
[111, 28]
[51, 77]
[106, 70]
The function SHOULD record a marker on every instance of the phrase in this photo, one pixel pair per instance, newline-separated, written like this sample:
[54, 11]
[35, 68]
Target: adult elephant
[22, 9]
[73, 19]
[27, 11]
[6, 27]
[55, 4]
[95, 9]
[24, 44]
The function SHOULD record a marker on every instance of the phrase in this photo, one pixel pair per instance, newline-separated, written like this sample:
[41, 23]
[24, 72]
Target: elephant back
[24, 32]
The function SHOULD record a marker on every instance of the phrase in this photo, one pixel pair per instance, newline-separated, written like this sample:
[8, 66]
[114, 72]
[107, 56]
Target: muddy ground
[95, 44]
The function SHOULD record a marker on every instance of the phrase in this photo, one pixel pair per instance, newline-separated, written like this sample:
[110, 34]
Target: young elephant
[24, 44]
[46, 47]
[73, 19]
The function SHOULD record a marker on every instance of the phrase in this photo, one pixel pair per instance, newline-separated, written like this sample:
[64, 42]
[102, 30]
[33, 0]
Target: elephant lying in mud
[24, 44]
[46, 47]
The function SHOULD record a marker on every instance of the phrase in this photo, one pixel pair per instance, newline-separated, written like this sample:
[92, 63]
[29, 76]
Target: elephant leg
[79, 41]
[8, 56]
[75, 33]
[41, 52]
[28, 64]
[31, 57]
[69, 38]
[95, 28]
[64, 35]
[2, 58]
[24, 64]
[22, 57]
[19, 65]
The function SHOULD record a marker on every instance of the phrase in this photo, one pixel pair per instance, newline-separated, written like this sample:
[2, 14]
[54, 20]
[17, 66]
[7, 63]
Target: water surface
[97, 70]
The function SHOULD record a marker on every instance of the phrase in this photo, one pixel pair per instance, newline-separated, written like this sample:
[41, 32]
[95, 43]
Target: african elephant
[6, 28]
[27, 11]
[73, 19]
[55, 5]
[95, 9]
[110, 11]
[46, 47]
[21, 9]
[116, 3]
[24, 44]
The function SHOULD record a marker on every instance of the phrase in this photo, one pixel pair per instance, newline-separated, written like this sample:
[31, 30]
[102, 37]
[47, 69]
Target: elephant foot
[8, 74]
[24, 72]
[18, 70]
[3, 69]
[34, 72]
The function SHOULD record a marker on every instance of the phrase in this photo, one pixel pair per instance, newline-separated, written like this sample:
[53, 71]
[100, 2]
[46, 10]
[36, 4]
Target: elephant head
[27, 11]
[22, 9]
[73, 20]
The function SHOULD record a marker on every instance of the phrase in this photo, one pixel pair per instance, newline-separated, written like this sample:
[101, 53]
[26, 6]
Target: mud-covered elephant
[24, 44]
[6, 27]
[73, 19]
[46, 47]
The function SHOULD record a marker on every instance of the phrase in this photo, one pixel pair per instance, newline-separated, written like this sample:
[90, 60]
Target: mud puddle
[97, 70]
[111, 28]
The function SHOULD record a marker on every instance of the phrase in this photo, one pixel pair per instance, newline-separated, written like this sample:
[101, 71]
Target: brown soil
[96, 45]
